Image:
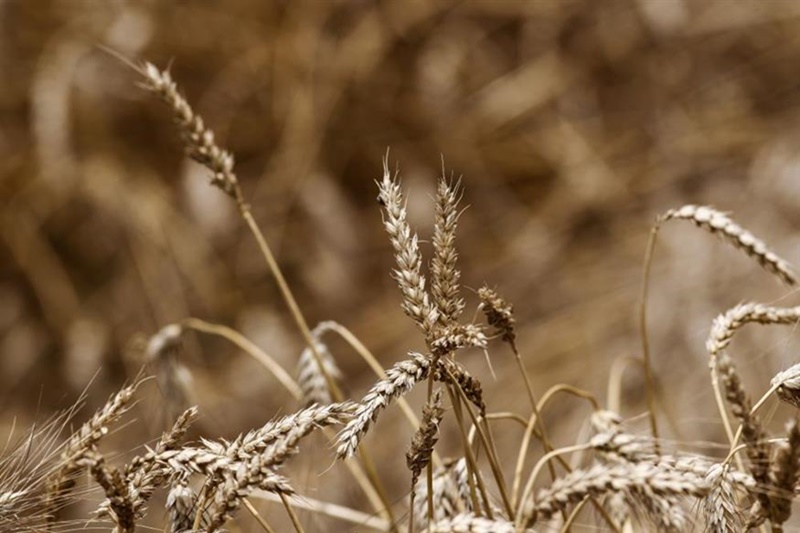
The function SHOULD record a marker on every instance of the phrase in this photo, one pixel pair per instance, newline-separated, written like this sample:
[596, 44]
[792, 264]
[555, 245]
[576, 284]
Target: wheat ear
[399, 380]
[646, 478]
[311, 381]
[444, 270]
[82, 443]
[408, 274]
[721, 224]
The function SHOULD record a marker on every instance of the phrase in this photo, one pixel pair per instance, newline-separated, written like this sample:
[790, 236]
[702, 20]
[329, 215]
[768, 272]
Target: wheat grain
[279, 438]
[725, 325]
[454, 337]
[238, 482]
[450, 371]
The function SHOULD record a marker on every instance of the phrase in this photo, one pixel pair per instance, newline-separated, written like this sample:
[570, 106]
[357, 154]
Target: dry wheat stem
[491, 454]
[648, 366]
[250, 348]
[292, 515]
[530, 428]
[329, 509]
[260, 519]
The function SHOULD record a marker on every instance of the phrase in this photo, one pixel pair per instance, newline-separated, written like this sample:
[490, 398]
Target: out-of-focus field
[572, 123]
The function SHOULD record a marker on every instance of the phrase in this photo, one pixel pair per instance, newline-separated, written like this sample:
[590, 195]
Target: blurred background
[572, 123]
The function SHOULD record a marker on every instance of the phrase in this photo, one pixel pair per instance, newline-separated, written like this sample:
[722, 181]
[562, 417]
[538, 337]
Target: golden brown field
[555, 134]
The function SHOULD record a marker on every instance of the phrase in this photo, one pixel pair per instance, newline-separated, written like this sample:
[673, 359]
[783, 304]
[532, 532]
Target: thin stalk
[260, 519]
[530, 426]
[411, 498]
[535, 473]
[250, 348]
[473, 475]
[648, 368]
[292, 515]
[573, 515]
[372, 476]
[329, 509]
[493, 463]
[201, 505]
[548, 446]
[288, 297]
[429, 466]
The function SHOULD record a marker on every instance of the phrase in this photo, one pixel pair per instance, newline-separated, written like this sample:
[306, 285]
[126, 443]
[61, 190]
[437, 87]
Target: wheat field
[424, 266]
